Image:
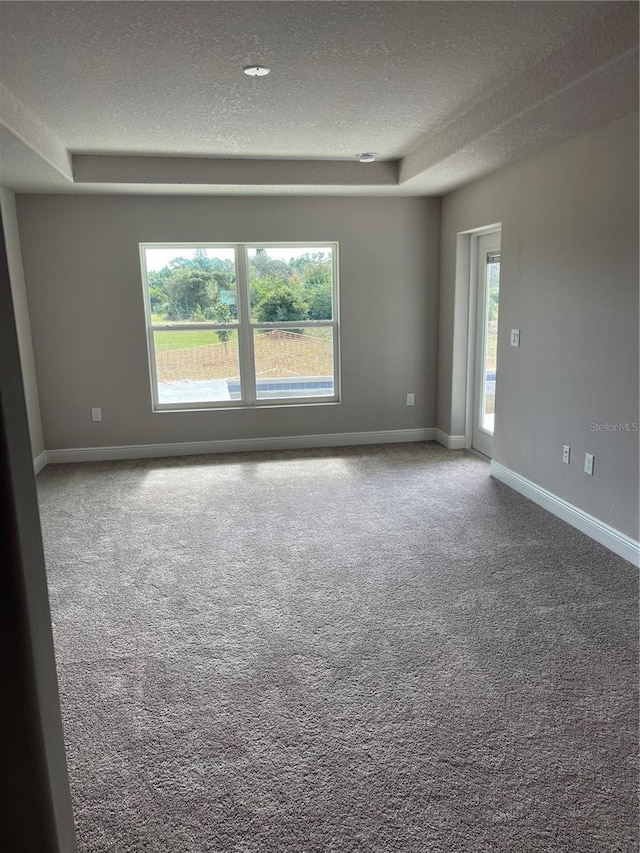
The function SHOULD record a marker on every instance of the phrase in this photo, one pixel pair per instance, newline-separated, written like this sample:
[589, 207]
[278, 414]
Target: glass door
[485, 372]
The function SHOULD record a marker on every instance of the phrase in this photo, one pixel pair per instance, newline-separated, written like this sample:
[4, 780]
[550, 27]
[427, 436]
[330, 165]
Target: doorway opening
[485, 350]
[478, 270]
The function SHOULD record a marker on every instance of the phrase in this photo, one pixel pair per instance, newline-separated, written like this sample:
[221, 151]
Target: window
[241, 325]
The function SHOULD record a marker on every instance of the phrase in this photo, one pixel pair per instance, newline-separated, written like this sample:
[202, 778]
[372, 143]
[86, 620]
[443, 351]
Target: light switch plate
[515, 337]
[588, 463]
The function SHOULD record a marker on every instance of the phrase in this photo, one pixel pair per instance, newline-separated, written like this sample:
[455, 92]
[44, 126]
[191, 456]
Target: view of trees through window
[197, 287]
[196, 297]
[200, 287]
[282, 291]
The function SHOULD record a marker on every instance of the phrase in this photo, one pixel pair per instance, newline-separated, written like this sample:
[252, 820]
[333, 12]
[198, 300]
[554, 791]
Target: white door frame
[482, 438]
[472, 279]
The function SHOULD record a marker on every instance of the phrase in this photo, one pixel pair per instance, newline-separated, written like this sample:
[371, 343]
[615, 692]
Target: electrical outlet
[566, 454]
[588, 463]
[411, 398]
[96, 414]
[515, 337]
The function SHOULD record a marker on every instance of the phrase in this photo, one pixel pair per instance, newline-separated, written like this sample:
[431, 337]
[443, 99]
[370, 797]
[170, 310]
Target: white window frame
[245, 328]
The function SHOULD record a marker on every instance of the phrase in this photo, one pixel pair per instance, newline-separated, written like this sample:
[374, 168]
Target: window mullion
[293, 324]
[195, 327]
[245, 337]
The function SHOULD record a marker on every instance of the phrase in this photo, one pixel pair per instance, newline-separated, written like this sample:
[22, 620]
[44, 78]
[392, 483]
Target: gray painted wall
[23, 324]
[85, 295]
[570, 284]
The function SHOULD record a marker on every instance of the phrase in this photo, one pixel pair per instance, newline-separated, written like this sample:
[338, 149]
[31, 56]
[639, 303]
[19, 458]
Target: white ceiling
[150, 96]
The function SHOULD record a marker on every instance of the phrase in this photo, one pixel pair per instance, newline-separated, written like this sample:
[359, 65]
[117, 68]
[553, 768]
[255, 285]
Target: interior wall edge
[22, 318]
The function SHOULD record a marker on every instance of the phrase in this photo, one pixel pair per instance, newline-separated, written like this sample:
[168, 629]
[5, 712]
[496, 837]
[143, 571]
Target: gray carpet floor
[361, 649]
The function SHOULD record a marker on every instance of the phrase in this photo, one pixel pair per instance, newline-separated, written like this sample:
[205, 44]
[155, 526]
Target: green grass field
[186, 340]
[205, 337]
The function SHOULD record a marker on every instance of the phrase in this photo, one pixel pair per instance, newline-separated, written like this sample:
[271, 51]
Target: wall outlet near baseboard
[588, 463]
[96, 414]
[411, 398]
[566, 454]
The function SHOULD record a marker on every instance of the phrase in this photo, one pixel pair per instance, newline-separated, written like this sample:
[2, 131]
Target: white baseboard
[611, 538]
[39, 462]
[194, 448]
[452, 442]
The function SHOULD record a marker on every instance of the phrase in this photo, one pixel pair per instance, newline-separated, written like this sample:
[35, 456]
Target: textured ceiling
[445, 90]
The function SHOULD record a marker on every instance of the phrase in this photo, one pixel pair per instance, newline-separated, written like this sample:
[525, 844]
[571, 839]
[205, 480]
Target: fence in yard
[278, 353]
[212, 361]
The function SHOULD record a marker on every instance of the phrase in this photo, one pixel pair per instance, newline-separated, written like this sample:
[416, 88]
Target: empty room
[319, 388]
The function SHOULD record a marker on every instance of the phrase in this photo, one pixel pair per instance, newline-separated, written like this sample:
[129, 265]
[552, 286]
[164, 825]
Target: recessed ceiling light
[366, 158]
[256, 70]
